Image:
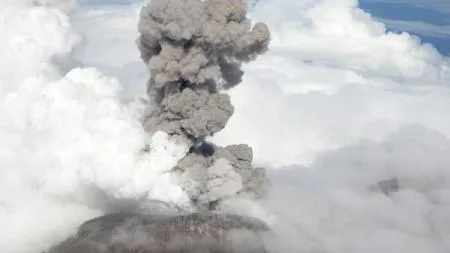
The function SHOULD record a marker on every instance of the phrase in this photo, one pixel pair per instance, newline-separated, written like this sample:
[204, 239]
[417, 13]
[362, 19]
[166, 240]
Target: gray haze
[194, 49]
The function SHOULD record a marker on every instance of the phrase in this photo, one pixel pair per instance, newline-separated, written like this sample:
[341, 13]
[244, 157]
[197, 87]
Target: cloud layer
[333, 206]
[70, 149]
[333, 75]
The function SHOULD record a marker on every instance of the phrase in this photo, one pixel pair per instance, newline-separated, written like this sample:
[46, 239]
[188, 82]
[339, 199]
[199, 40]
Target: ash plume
[194, 50]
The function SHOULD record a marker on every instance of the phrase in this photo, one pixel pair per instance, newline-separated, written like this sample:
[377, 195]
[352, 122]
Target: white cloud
[332, 207]
[115, 51]
[65, 135]
[333, 74]
[66, 5]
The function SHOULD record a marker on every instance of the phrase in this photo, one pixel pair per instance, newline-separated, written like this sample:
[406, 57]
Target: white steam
[65, 136]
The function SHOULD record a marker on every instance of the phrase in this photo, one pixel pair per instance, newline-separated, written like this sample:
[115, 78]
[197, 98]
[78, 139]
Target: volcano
[130, 232]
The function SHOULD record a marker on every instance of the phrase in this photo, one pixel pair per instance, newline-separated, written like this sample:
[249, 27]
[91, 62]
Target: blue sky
[429, 20]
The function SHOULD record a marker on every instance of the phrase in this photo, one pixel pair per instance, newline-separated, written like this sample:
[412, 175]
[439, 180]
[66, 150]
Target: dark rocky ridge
[158, 233]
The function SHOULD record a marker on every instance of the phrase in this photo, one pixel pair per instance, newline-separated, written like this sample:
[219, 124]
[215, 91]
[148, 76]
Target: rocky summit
[204, 232]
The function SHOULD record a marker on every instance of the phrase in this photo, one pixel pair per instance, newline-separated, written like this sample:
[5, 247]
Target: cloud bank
[333, 75]
[334, 207]
[66, 136]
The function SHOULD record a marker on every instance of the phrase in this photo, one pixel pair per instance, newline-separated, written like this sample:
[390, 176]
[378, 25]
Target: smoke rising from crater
[194, 49]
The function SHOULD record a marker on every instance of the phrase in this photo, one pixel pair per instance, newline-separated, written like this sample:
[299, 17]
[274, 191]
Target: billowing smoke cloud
[227, 173]
[194, 49]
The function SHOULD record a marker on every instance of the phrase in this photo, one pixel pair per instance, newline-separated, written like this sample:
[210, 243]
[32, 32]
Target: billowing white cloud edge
[333, 75]
[66, 136]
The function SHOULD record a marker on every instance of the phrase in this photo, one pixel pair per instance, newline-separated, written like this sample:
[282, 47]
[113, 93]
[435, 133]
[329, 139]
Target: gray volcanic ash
[194, 49]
